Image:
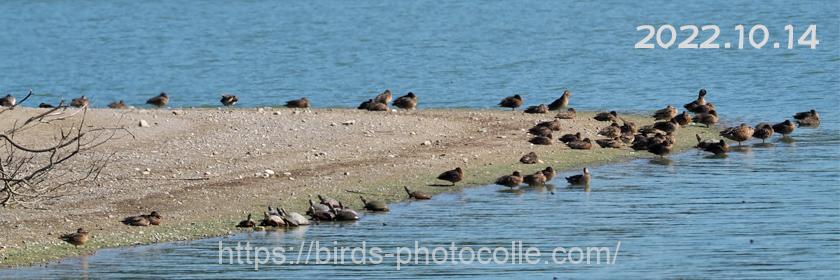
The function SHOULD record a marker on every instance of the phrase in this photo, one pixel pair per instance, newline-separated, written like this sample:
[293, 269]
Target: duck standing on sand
[708, 118]
[406, 102]
[453, 176]
[302, 103]
[763, 131]
[417, 194]
[694, 106]
[247, 222]
[229, 100]
[739, 133]
[530, 158]
[80, 237]
[569, 114]
[510, 181]
[702, 144]
[539, 109]
[561, 102]
[611, 116]
[665, 114]
[536, 179]
[584, 144]
[384, 97]
[809, 118]
[8, 101]
[159, 101]
[117, 105]
[784, 128]
[80, 102]
[683, 119]
[511, 102]
[580, 179]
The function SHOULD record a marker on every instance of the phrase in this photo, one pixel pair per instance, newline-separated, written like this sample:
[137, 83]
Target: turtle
[344, 214]
[80, 237]
[247, 222]
[374, 205]
[45, 105]
[317, 207]
[293, 219]
[161, 100]
[272, 220]
[702, 144]
[718, 148]
[320, 215]
[416, 194]
[328, 201]
[229, 99]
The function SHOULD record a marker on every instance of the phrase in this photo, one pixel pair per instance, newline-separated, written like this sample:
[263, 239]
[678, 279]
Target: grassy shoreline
[481, 171]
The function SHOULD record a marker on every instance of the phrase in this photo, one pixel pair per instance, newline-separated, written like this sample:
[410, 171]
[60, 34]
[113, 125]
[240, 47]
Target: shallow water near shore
[691, 216]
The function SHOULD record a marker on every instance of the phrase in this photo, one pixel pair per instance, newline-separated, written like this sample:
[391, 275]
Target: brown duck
[614, 143]
[702, 144]
[683, 119]
[784, 128]
[8, 101]
[159, 101]
[453, 176]
[510, 181]
[629, 127]
[580, 179]
[384, 97]
[708, 119]
[566, 138]
[661, 149]
[705, 108]
[536, 179]
[667, 126]
[117, 105]
[530, 158]
[584, 144]
[665, 114]
[561, 102]
[80, 102]
[406, 102]
[763, 131]
[417, 194]
[554, 125]
[540, 131]
[739, 133]
[809, 118]
[700, 101]
[541, 140]
[143, 220]
[303, 102]
[376, 106]
[611, 116]
[717, 148]
[511, 102]
[247, 222]
[229, 100]
[567, 115]
[549, 173]
[614, 130]
[80, 237]
[539, 109]
[45, 105]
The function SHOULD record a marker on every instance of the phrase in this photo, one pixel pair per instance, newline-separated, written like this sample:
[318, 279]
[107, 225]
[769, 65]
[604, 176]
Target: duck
[611, 131]
[705, 108]
[561, 102]
[614, 143]
[584, 144]
[784, 128]
[536, 179]
[229, 99]
[541, 140]
[143, 220]
[808, 118]
[739, 133]
[661, 149]
[683, 119]
[702, 144]
[154, 218]
[554, 125]
[376, 106]
[247, 222]
[406, 102]
[302, 103]
[530, 158]
[272, 220]
[627, 137]
[569, 114]
[667, 126]
[511, 102]
[629, 127]
[708, 118]
[80, 237]
[159, 101]
[384, 97]
[511, 181]
[417, 194]
[611, 116]
[580, 179]
[45, 105]
[117, 105]
[8, 101]
[365, 105]
[549, 173]
[717, 148]
[667, 113]
[566, 138]
[80, 102]
[640, 142]
[763, 131]
[693, 105]
[453, 176]
[540, 131]
[539, 109]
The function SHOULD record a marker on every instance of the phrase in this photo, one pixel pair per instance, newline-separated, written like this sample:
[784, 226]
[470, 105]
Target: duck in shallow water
[539, 109]
[530, 158]
[702, 144]
[161, 100]
[511, 102]
[661, 149]
[784, 128]
[80, 237]
[567, 115]
[453, 176]
[763, 131]
[536, 179]
[694, 106]
[611, 116]
[561, 102]
[301, 103]
[667, 113]
[809, 118]
[406, 102]
[580, 179]
[510, 181]
[717, 148]
[739, 133]
[549, 173]
[229, 100]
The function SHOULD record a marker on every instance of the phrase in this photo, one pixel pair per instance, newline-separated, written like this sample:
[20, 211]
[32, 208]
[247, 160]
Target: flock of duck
[658, 138]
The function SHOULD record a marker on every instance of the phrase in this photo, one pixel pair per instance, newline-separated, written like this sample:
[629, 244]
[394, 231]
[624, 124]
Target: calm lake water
[693, 217]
